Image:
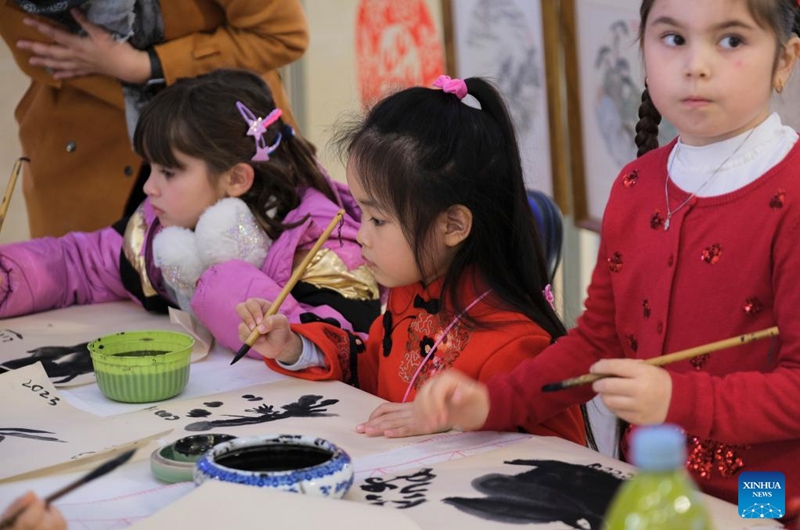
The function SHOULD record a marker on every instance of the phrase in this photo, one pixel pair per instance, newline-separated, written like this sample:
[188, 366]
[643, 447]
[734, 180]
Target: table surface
[132, 493]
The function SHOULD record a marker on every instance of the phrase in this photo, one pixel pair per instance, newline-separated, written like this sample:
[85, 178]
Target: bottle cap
[658, 447]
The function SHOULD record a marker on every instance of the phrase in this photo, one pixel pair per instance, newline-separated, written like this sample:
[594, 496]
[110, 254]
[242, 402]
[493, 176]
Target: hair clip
[452, 86]
[288, 131]
[257, 127]
[548, 295]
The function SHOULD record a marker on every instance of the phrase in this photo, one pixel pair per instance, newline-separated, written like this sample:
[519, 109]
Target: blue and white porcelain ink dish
[297, 463]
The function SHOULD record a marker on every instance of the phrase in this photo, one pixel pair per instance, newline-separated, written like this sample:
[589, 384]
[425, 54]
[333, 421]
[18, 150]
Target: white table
[132, 493]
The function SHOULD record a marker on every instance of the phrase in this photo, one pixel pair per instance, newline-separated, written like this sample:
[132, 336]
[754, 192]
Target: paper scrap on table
[38, 429]
[202, 337]
[250, 507]
[58, 338]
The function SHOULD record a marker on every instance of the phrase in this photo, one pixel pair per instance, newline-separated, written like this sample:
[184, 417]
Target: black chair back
[551, 228]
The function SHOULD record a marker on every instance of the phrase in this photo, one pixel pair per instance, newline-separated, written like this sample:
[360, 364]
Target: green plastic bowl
[141, 366]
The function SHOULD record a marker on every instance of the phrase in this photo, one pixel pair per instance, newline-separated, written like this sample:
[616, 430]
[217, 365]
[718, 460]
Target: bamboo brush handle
[297, 274]
[673, 357]
[12, 181]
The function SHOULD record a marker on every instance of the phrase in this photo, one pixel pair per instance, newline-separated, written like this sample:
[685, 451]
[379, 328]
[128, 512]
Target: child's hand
[638, 393]
[277, 340]
[34, 515]
[451, 399]
[393, 420]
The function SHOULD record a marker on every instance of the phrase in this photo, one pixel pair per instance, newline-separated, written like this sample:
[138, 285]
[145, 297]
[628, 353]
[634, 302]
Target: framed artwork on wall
[514, 44]
[360, 51]
[605, 80]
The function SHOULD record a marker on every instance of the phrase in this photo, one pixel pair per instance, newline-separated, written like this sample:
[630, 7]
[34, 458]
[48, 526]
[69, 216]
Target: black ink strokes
[39, 389]
[213, 404]
[61, 363]
[574, 494]
[251, 397]
[198, 413]
[410, 495]
[9, 335]
[32, 434]
[307, 406]
[166, 415]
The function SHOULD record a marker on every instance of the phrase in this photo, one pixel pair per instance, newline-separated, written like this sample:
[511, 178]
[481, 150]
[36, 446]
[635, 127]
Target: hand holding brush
[296, 275]
[29, 511]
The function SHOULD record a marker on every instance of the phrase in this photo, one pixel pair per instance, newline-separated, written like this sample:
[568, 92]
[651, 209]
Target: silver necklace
[670, 213]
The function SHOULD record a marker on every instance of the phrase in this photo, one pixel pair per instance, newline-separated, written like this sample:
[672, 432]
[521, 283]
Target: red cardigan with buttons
[728, 265]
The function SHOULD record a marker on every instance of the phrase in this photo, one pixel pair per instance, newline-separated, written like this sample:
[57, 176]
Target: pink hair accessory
[453, 86]
[548, 295]
[257, 127]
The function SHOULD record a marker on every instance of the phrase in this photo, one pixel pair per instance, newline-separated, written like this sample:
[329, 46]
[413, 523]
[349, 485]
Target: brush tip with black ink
[552, 387]
[241, 353]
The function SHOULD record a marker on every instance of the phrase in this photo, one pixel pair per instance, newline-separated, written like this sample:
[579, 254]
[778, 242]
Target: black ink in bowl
[141, 353]
[189, 448]
[278, 457]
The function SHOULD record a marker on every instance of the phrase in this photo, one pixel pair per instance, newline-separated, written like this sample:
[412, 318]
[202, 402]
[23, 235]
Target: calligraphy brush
[671, 358]
[298, 272]
[96, 473]
[12, 181]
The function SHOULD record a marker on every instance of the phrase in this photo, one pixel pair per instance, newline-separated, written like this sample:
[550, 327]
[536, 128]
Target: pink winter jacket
[116, 262]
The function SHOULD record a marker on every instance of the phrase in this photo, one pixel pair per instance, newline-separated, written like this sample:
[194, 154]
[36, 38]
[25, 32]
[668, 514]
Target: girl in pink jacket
[234, 200]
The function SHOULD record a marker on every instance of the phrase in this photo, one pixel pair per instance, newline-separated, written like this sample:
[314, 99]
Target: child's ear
[457, 224]
[239, 180]
[789, 55]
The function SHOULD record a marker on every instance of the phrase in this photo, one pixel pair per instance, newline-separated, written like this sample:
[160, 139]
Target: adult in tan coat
[72, 119]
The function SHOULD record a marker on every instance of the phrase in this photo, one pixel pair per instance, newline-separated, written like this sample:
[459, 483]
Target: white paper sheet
[216, 505]
[38, 429]
[325, 409]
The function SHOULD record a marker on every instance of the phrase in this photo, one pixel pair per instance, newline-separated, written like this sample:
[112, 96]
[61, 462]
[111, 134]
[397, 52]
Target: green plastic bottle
[662, 495]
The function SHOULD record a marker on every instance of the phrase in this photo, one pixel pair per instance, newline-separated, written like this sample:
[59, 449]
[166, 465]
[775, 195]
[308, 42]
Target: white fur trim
[227, 231]
[175, 252]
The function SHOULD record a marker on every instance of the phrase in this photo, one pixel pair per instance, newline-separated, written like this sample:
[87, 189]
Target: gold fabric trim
[328, 270]
[132, 244]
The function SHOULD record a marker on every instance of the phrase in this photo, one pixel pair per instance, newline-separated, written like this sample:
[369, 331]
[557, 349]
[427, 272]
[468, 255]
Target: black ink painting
[553, 491]
[31, 434]
[410, 490]
[61, 363]
[308, 406]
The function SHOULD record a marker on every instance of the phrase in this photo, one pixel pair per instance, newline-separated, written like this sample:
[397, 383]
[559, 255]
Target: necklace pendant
[666, 224]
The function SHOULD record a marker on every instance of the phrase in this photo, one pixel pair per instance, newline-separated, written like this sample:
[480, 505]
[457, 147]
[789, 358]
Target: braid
[647, 126]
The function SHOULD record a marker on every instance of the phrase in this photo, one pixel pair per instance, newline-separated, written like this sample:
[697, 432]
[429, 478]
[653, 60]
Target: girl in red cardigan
[447, 227]
[699, 243]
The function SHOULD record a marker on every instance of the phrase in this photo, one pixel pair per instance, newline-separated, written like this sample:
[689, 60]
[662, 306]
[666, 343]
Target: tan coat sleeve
[259, 35]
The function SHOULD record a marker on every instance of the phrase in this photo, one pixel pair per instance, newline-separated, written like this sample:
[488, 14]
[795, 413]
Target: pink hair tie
[453, 86]
[548, 295]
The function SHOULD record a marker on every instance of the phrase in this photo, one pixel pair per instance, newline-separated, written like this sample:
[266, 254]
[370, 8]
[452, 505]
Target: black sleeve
[359, 313]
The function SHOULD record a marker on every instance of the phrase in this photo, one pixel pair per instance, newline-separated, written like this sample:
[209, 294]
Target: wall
[12, 86]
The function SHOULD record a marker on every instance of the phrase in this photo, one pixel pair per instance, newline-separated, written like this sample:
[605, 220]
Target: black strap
[360, 313]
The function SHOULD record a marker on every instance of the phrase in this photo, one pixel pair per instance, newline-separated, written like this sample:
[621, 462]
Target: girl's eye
[731, 41]
[673, 39]
[377, 222]
[168, 173]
